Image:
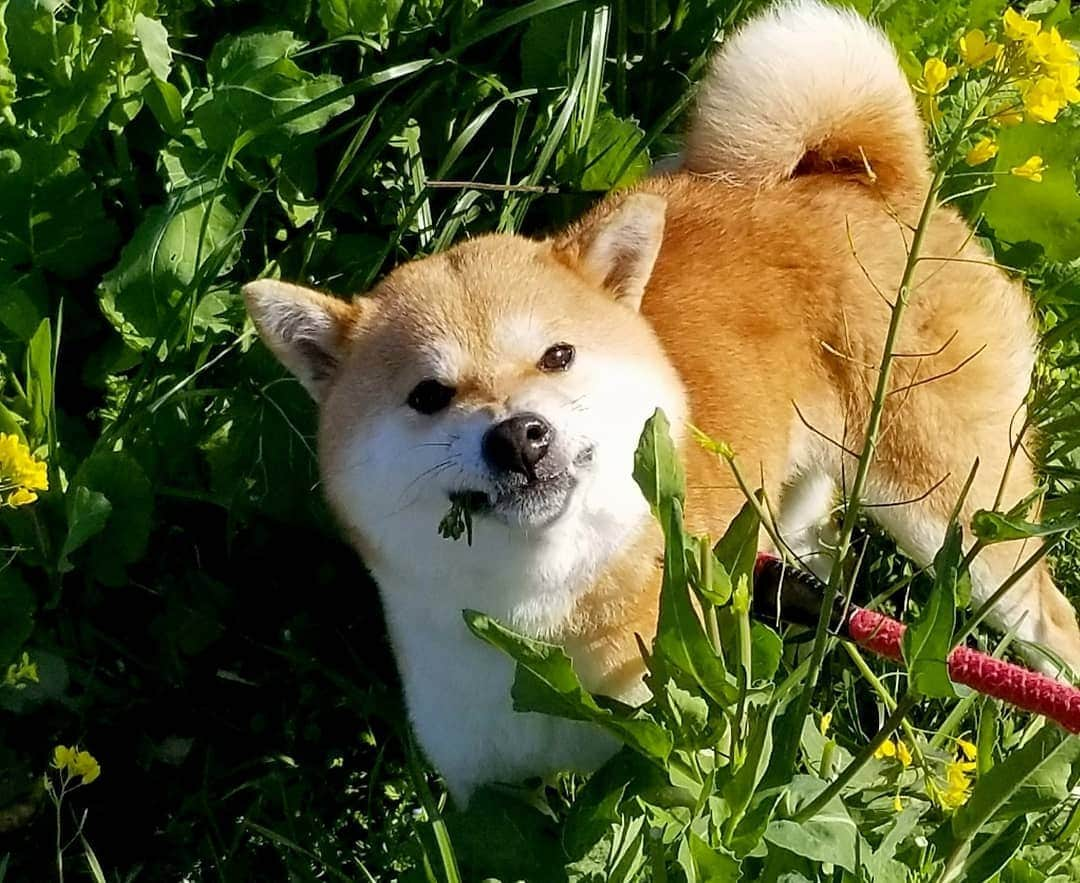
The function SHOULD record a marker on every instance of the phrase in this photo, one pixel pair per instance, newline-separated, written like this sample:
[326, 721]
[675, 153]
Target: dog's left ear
[305, 329]
[617, 250]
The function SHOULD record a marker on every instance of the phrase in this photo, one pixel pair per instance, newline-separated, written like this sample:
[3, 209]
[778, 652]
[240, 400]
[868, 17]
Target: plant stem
[873, 423]
[888, 701]
[906, 703]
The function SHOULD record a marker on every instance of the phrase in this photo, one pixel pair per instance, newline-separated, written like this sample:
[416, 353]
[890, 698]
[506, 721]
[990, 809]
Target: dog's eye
[556, 358]
[429, 396]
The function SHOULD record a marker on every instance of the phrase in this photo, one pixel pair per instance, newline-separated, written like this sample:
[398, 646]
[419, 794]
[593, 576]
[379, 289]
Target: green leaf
[166, 105]
[704, 864]
[741, 788]
[87, 513]
[736, 550]
[24, 302]
[255, 82]
[371, 18]
[39, 380]
[120, 479]
[17, 622]
[657, 468]
[154, 43]
[7, 75]
[928, 641]
[994, 852]
[52, 212]
[142, 296]
[546, 682]
[1035, 777]
[681, 642]
[993, 527]
[599, 164]
[830, 836]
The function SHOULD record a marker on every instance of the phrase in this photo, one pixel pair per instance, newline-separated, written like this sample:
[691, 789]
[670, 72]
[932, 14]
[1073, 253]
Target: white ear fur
[303, 328]
[623, 249]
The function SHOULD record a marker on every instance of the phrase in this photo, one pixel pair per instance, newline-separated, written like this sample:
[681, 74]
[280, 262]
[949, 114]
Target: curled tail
[808, 87]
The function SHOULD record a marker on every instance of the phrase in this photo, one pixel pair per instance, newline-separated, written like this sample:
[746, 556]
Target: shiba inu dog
[748, 292]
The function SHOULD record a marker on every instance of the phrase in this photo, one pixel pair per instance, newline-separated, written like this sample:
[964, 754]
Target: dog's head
[510, 375]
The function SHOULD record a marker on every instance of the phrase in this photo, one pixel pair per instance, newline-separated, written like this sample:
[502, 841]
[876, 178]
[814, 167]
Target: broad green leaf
[993, 527]
[370, 18]
[736, 550]
[52, 212]
[87, 513]
[165, 103]
[546, 682]
[658, 470]
[144, 294]
[993, 851]
[120, 479]
[830, 836]
[598, 164]
[17, 621]
[154, 43]
[254, 82]
[24, 301]
[928, 641]
[705, 864]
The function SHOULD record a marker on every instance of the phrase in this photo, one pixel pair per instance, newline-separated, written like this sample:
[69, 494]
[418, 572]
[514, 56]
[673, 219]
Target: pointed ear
[618, 250]
[306, 330]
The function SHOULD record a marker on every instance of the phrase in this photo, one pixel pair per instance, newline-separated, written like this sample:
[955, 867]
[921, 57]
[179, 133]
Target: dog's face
[509, 375]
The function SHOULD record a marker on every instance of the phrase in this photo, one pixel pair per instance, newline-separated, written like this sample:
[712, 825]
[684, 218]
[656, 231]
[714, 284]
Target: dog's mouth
[534, 503]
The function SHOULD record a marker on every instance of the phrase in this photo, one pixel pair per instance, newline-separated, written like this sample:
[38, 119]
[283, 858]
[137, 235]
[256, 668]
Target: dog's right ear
[305, 329]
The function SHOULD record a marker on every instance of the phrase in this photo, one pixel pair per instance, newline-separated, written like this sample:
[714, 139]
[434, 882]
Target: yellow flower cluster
[1044, 65]
[75, 762]
[956, 789]
[1039, 73]
[21, 673]
[890, 749]
[21, 476]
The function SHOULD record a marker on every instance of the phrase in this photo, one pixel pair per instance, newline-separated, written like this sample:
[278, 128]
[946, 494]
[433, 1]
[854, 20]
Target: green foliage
[179, 585]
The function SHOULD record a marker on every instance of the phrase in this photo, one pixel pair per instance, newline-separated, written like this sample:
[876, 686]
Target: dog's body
[520, 373]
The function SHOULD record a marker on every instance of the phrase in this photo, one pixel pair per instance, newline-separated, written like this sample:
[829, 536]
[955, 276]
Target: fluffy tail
[807, 87]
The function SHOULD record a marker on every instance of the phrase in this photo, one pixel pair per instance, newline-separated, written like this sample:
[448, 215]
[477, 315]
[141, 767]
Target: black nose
[518, 444]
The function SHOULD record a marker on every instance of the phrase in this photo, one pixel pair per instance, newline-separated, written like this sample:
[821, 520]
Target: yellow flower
[935, 76]
[20, 474]
[75, 762]
[885, 749]
[1019, 28]
[1042, 101]
[976, 50]
[826, 719]
[86, 765]
[1032, 168]
[63, 756]
[1050, 48]
[984, 150]
[19, 673]
[903, 753]
[897, 803]
[1066, 77]
[1007, 116]
[967, 749]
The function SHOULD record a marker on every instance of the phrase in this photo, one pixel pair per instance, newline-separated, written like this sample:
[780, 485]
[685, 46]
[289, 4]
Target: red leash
[799, 598]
